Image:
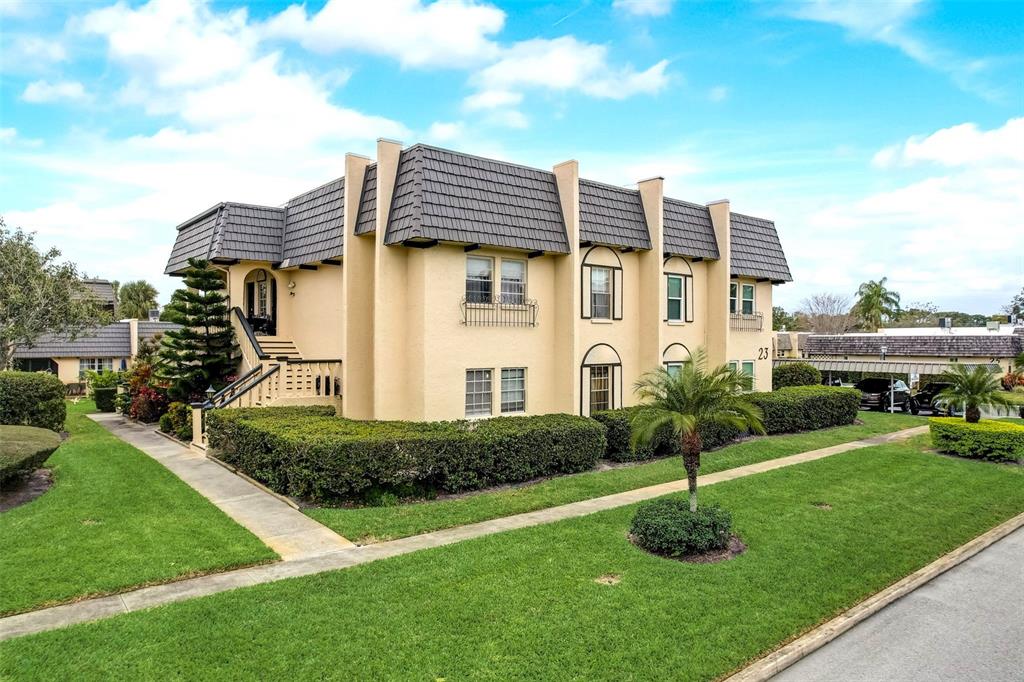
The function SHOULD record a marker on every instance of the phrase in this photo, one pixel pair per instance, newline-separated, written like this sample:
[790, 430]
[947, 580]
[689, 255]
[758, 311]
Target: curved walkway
[103, 607]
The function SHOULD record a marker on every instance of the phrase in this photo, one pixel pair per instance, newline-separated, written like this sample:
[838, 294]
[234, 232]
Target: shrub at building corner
[177, 421]
[32, 399]
[202, 353]
[23, 449]
[103, 386]
[988, 439]
[299, 452]
[795, 374]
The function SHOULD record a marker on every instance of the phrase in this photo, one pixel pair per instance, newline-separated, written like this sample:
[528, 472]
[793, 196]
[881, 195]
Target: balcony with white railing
[746, 322]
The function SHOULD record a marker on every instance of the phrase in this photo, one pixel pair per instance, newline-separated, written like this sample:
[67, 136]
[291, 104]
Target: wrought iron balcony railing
[751, 322]
[498, 311]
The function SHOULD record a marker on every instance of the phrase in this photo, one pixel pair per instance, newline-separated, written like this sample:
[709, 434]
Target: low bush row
[177, 421]
[787, 410]
[320, 457]
[23, 449]
[795, 374]
[32, 399]
[988, 439]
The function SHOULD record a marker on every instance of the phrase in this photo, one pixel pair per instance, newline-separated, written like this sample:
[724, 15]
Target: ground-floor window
[94, 365]
[600, 388]
[674, 368]
[478, 392]
[513, 389]
[35, 365]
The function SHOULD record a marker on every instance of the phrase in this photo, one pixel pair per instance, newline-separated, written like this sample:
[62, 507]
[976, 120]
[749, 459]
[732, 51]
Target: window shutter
[585, 292]
[615, 387]
[585, 391]
[688, 292]
[617, 294]
[664, 299]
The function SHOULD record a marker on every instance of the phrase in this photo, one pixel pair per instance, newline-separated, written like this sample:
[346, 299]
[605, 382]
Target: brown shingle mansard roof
[449, 196]
[949, 346]
[756, 250]
[454, 197]
[110, 341]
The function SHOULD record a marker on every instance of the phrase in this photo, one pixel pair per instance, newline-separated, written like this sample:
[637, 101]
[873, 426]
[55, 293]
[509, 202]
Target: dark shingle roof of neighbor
[941, 345]
[100, 289]
[366, 219]
[783, 342]
[449, 196]
[612, 215]
[313, 226]
[688, 230]
[110, 341]
[756, 250]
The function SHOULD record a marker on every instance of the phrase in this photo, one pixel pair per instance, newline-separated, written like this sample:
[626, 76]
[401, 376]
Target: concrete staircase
[277, 347]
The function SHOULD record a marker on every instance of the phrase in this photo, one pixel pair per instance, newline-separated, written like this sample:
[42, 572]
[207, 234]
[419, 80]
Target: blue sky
[885, 139]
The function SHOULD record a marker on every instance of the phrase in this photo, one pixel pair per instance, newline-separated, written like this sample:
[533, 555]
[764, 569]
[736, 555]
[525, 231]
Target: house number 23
[764, 353]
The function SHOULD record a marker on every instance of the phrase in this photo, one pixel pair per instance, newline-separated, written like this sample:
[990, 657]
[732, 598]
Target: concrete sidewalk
[287, 531]
[966, 624]
[103, 607]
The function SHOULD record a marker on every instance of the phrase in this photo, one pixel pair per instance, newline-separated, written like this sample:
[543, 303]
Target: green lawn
[114, 519]
[374, 524]
[525, 604]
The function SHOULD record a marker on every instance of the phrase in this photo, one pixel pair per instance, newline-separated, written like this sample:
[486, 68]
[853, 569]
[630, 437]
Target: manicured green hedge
[23, 449]
[327, 458]
[104, 398]
[32, 399]
[787, 410]
[795, 374]
[988, 439]
[666, 526]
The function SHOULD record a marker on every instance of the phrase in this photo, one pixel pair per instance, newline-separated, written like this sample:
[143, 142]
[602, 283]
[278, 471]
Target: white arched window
[675, 356]
[601, 285]
[678, 307]
[600, 380]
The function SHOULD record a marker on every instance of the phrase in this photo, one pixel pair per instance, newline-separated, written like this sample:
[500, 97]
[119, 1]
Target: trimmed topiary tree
[203, 352]
[795, 374]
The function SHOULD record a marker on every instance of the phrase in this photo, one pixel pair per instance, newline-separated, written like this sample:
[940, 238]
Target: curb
[284, 498]
[768, 666]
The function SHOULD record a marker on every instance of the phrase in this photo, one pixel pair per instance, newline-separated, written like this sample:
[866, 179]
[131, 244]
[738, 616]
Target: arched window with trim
[675, 357]
[600, 380]
[601, 285]
[679, 296]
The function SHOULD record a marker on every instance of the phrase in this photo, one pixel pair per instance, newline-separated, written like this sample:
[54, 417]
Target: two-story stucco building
[430, 284]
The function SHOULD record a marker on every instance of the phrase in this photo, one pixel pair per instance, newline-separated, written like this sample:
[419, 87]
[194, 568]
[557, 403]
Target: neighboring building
[917, 352]
[102, 291]
[432, 284]
[111, 347]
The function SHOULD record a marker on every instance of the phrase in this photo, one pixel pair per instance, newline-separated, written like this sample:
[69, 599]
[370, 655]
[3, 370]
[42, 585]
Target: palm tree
[970, 390]
[1018, 363]
[687, 398]
[874, 302]
[136, 299]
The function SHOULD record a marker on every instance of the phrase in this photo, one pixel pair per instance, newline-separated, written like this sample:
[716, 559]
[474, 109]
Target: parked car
[926, 396]
[875, 392]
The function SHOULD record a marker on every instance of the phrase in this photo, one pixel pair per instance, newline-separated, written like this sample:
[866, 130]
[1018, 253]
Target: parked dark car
[875, 392]
[926, 397]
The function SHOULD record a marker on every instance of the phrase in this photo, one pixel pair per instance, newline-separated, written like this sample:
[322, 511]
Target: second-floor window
[601, 293]
[741, 298]
[513, 281]
[676, 304]
[479, 280]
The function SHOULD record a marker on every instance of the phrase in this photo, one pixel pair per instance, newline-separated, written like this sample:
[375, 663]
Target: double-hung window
[747, 368]
[674, 368]
[676, 298]
[600, 293]
[513, 281]
[513, 390]
[94, 365]
[733, 296]
[748, 299]
[600, 388]
[479, 280]
[478, 392]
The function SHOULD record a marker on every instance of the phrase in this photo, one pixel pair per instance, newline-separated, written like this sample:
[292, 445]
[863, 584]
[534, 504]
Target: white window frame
[94, 365]
[513, 291]
[674, 368]
[744, 300]
[681, 298]
[478, 379]
[734, 294]
[509, 405]
[607, 293]
[751, 374]
[477, 297]
[609, 389]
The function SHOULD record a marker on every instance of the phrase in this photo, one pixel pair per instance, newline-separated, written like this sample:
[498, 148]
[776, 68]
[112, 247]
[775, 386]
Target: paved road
[967, 624]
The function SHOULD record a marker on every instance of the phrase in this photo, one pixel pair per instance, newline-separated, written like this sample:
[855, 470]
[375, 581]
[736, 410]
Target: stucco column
[719, 276]
[566, 317]
[357, 300]
[652, 299]
[133, 339]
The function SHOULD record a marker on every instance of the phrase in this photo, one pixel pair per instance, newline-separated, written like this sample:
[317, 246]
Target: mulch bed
[735, 548]
[18, 492]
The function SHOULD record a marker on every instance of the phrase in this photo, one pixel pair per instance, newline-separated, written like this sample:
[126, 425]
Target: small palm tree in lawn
[689, 397]
[970, 390]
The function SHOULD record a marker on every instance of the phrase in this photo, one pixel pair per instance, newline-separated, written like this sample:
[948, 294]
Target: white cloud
[35, 48]
[649, 8]
[17, 8]
[445, 33]
[441, 131]
[39, 92]
[718, 93]
[8, 134]
[959, 145]
[565, 64]
[492, 99]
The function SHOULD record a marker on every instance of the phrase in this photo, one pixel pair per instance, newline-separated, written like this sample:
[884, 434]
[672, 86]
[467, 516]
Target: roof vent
[154, 315]
[945, 323]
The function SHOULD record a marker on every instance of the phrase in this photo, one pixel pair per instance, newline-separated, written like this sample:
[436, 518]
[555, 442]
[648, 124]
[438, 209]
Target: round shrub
[23, 449]
[177, 421]
[795, 374]
[988, 439]
[32, 399]
[668, 527]
[104, 398]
